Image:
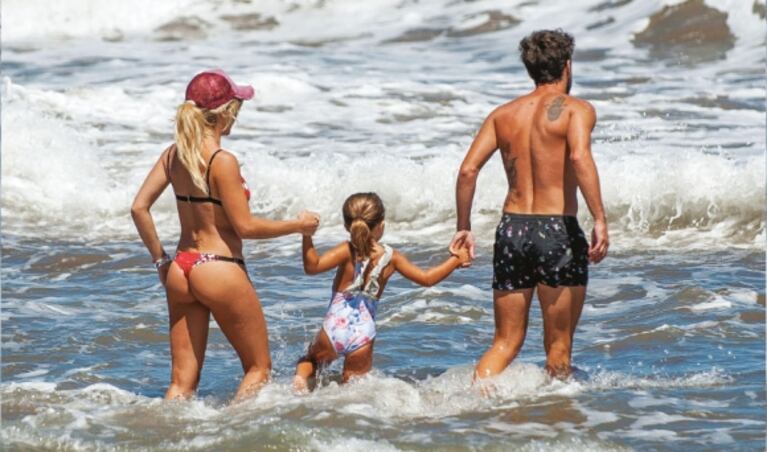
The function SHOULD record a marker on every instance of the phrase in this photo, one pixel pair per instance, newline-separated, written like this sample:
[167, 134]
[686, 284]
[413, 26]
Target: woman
[207, 274]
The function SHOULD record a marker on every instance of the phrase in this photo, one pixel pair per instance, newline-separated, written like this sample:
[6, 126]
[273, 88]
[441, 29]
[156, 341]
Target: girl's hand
[463, 240]
[463, 256]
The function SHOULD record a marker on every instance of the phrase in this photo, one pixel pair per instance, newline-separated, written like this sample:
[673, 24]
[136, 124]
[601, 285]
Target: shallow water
[671, 345]
[669, 349]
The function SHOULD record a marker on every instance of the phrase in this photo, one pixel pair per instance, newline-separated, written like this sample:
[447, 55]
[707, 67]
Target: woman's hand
[162, 264]
[162, 272]
[308, 222]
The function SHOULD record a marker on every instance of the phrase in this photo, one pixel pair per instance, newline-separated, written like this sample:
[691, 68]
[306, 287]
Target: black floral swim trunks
[539, 249]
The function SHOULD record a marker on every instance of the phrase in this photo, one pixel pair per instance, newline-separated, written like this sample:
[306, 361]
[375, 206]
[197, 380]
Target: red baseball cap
[212, 89]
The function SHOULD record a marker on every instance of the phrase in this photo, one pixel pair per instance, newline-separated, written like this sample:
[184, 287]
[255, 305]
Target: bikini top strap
[207, 170]
[372, 287]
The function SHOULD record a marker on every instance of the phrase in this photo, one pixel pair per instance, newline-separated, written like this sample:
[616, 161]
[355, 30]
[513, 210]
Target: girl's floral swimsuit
[350, 320]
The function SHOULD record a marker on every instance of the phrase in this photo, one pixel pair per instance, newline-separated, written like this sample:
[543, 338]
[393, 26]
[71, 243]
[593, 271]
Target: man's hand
[463, 239]
[599, 242]
[309, 222]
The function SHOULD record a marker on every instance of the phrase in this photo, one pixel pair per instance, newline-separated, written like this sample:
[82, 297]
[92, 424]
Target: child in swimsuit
[363, 266]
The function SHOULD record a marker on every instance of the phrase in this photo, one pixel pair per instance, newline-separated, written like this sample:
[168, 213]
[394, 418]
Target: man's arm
[582, 123]
[481, 149]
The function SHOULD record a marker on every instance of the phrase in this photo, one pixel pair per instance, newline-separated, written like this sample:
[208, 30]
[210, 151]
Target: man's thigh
[561, 309]
[511, 309]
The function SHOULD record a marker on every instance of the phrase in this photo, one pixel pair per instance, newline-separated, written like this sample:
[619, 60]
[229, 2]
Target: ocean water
[384, 95]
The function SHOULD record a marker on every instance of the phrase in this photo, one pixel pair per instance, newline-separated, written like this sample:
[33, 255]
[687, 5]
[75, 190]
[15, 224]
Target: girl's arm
[153, 186]
[314, 263]
[433, 275]
[226, 174]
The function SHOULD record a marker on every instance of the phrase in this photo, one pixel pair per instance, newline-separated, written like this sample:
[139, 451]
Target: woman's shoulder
[224, 156]
[168, 151]
[224, 162]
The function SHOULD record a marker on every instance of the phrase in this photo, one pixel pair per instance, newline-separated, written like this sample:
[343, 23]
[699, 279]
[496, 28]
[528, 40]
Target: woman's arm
[226, 175]
[314, 263]
[153, 186]
[433, 275]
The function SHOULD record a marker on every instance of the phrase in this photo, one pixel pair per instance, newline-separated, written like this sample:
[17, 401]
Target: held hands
[462, 254]
[463, 240]
[308, 222]
[599, 242]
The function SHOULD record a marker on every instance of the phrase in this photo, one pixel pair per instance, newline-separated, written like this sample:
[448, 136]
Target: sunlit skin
[221, 288]
[545, 143]
[340, 257]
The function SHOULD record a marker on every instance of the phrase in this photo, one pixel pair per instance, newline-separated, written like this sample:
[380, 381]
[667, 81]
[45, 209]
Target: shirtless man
[545, 142]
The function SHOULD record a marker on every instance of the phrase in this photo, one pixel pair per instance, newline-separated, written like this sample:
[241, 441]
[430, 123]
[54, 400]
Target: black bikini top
[189, 198]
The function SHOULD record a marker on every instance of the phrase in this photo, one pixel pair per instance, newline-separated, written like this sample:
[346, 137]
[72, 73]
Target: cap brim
[242, 92]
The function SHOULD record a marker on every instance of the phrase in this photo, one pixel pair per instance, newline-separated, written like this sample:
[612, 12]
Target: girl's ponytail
[363, 212]
[361, 238]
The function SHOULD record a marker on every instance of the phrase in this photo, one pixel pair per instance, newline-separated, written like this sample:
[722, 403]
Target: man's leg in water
[511, 313]
[561, 309]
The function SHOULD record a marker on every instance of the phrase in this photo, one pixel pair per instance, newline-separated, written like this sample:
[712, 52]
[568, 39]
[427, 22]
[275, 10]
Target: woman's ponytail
[192, 123]
[190, 127]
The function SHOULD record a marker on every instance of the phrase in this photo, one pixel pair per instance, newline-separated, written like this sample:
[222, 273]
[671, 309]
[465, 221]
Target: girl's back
[352, 268]
[363, 267]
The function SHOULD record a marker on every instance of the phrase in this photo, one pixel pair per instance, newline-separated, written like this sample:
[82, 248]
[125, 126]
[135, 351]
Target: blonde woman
[207, 274]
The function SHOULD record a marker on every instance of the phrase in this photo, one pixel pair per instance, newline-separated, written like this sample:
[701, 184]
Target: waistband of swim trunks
[533, 216]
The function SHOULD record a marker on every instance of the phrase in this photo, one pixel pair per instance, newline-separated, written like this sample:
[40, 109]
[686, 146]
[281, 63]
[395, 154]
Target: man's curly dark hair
[545, 53]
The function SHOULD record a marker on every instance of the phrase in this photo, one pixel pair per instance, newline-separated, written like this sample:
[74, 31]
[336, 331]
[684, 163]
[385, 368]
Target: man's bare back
[545, 143]
[531, 132]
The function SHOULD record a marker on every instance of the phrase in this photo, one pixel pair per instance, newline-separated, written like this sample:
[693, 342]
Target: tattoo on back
[511, 170]
[555, 108]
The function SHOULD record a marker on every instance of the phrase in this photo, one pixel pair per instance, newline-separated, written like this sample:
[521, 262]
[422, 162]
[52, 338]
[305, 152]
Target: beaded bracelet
[164, 259]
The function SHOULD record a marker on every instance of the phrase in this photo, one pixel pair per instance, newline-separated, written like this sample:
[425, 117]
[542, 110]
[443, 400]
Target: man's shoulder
[581, 105]
[510, 106]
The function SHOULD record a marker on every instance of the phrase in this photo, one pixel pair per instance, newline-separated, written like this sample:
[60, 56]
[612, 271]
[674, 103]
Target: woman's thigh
[226, 290]
[189, 321]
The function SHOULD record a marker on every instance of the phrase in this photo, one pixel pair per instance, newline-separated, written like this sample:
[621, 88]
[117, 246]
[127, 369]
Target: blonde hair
[363, 212]
[192, 123]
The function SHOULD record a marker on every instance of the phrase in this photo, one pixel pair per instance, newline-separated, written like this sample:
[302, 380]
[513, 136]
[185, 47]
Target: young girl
[363, 266]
